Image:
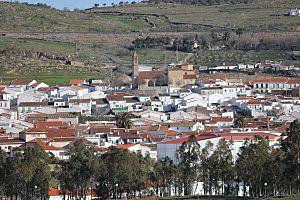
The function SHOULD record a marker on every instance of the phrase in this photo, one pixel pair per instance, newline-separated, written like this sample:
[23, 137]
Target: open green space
[51, 76]
[35, 45]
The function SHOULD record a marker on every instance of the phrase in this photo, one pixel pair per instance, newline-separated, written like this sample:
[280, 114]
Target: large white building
[271, 84]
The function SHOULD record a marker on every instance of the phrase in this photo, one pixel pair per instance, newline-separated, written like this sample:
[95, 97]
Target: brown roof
[8, 141]
[46, 89]
[79, 101]
[277, 80]
[115, 97]
[33, 104]
[4, 83]
[20, 82]
[183, 123]
[61, 133]
[151, 74]
[100, 101]
[189, 76]
[50, 124]
[132, 100]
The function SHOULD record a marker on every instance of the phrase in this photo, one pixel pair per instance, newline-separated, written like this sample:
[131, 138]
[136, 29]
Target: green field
[34, 45]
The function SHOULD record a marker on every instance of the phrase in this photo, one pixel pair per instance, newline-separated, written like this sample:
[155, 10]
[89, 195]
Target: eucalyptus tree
[27, 174]
[222, 160]
[251, 165]
[3, 157]
[206, 168]
[189, 156]
[291, 147]
[77, 174]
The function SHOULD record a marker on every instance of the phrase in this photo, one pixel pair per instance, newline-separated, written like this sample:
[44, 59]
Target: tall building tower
[135, 65]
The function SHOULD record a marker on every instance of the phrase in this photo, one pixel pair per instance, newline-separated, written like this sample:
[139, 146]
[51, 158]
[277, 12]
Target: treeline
[26, 175]
[239, 40]
[258, 170]
[41, 5]
[150, 42]
[200, 2]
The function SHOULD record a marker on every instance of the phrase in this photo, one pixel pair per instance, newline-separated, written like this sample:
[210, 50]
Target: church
[175, 77]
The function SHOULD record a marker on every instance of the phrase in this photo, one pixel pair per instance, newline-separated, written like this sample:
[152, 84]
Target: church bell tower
[135, 65]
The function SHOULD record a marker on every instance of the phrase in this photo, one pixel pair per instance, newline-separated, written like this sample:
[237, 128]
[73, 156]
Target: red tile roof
[52, 192]
[115, 97]
[20, 82]
[102, 148]
[44, 125]
[277, 80]
[221, 119]
[76, 82]
[245, 135]
[3, 92]
[46, 89]
[186, 138]
[254, 102]
[47, 147]
[52, 133]
[4, 83]
[10, 141]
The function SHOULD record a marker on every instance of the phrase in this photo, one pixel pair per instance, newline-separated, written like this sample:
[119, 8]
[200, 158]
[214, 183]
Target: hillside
[104, 36]
[259, 15]
[17, 17]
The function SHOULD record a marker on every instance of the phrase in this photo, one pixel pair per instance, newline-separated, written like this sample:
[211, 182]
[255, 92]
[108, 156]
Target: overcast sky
[71, 4]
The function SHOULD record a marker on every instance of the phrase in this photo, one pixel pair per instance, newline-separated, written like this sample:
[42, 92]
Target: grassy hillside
[258, 15]
[14, 64]
[28, 18]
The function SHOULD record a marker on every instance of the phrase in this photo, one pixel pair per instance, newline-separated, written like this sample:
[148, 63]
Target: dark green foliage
[151, 42]
[123, 120]
[76, 174]
[189, 155]
[123, 172]
[26, 175]
[291, 147]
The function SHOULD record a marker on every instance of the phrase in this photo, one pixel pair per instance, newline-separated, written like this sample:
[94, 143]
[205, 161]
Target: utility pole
[177, 54]
[76, 48]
